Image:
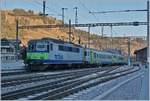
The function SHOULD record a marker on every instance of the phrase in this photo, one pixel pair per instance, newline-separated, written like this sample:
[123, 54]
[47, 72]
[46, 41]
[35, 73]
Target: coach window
[94, 55]
[103, 56]
[66, 48]
[85, 53]
[61, 48]
[74, 50]
[78, 50]
[70, 49]
[120, 58]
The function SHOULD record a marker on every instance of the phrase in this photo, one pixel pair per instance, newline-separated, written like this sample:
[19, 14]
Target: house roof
[140, 49]
[7, 42]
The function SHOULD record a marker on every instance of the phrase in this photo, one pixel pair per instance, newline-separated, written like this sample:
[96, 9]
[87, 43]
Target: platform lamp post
[17, 37]
[129, 51]
[89, 39]
[70, 32]
[148, 36]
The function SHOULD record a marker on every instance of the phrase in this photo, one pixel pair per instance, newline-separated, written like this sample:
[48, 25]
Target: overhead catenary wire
[58, 6]
[91, 13]
[118, 11]
[84, 6]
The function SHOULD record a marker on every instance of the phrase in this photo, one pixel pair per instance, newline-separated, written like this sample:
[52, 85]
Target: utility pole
[69, 31]
[148, 36]
[102, 31]
[111, 37]
[76, 15]
[44, 2]
[63, 14]
[76, 21]
[129, 51]
[89, 37]
[17, 37]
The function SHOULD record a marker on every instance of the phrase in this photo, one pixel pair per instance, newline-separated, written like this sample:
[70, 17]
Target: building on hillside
[10, 58]
[8, 50]
[141, 55]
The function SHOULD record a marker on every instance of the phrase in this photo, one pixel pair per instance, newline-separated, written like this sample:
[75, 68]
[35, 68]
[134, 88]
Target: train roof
[55, 41]
[64, 42]
[103, 52]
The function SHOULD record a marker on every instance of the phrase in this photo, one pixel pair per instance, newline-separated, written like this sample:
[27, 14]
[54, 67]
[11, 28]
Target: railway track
[60, 86]
[13, 72]
[39, 76]
[77, 86]
[28, 81]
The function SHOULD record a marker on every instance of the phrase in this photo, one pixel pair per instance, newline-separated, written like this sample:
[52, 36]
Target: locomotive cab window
[42, 46]
[31, 47]
[51, 46]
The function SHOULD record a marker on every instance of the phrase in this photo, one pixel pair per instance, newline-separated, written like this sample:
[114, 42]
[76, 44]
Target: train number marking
[58, 56]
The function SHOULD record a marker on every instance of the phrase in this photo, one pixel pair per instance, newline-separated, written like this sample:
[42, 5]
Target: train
[46, 53]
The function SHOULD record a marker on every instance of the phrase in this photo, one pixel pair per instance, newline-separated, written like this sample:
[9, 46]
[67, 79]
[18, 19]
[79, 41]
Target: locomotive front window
[31, 47]
[42, 48]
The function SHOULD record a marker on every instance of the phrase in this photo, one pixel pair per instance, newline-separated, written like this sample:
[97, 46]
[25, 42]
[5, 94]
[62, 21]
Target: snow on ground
[35, 83]
[132, 90]
[145, 86]
[127, 91]
[137, 89]
[12, 65]
[24, 86]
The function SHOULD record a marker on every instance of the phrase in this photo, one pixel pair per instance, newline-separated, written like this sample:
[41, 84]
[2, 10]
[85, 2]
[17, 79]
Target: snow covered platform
[13, 71]
[12, 65]
[133, 86]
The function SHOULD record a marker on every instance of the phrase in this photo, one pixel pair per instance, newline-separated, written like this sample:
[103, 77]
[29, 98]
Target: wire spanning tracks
[52, 83]
[40, 77]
